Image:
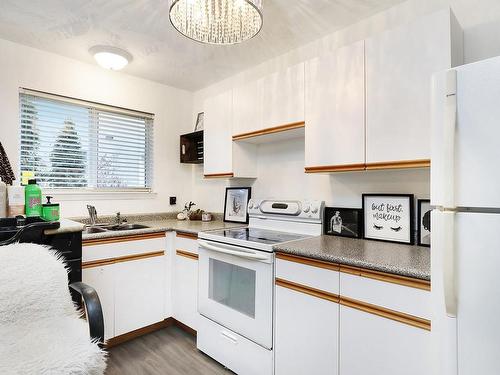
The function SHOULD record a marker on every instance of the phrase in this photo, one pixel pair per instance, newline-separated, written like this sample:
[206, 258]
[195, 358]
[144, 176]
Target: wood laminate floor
[169, 351]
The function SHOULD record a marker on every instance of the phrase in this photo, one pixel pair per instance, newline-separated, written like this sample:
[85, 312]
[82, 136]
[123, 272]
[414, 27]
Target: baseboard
[117, 340]
[184, 327]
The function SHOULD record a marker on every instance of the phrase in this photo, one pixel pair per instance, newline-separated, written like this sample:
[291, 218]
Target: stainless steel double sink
[100, 228]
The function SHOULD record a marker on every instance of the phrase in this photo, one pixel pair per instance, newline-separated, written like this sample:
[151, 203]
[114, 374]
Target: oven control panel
[310, 209]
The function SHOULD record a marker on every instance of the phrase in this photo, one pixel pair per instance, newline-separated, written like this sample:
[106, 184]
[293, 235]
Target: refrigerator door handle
[449, 139]
[450, 293]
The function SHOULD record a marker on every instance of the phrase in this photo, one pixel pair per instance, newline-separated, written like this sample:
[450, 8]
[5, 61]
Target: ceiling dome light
[111, 57]
[217, 21]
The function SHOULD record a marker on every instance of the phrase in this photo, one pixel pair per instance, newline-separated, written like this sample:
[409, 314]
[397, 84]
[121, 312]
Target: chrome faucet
[119, 220]
[92, 213]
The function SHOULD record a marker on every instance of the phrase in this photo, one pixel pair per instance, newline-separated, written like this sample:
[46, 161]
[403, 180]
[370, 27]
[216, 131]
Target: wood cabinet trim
[397, 164]
[386, 313]
[219, 175]
[126, 258]
[189, 236]
[401, 164]
[134, 237]
[272, 130]
[335, 168]
[308, 261]
[307, 290]
[186, 254]
[386, 277]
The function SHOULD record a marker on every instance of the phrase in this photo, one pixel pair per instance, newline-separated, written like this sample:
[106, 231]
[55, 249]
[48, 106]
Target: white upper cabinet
[399, 67]
[247, 107]
[283, 97]
[218, 135]
[335, 110]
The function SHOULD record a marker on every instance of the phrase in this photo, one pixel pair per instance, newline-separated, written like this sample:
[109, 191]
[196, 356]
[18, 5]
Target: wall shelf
[191, 148]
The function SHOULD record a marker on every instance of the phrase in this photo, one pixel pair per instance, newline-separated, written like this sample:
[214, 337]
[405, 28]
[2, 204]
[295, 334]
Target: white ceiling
[142, 27]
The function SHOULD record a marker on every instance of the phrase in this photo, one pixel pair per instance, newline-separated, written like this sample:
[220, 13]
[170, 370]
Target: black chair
[31, 233]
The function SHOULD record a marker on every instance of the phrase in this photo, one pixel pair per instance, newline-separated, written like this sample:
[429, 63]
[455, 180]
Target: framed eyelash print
[389, 217]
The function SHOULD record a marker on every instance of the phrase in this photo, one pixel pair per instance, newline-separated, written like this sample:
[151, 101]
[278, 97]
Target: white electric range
[236, 277]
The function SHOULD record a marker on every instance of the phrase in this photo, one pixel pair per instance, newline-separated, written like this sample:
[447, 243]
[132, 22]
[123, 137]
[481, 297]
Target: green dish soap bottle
[33, 199]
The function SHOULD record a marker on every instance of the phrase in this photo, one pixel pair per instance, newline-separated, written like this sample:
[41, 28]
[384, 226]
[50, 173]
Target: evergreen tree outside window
[73, 144]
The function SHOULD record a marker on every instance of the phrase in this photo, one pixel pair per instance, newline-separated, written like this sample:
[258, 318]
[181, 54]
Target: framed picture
[236, 204]
[344, 222]
[424, 222]
[199, 121]
[388, 217]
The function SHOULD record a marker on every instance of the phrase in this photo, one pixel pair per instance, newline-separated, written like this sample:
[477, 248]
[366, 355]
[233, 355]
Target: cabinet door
[218, 134]
[283, 97]
[335, 106]
[306, 340]
[139, 293]
[399, 67]
[247, 110]
[371, 344]
[102, 280]
[185, 290]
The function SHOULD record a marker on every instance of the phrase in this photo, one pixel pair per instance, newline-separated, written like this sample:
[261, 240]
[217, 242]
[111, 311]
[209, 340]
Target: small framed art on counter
[236, 204]
[344, 222]
[424, 222]
[388, 217]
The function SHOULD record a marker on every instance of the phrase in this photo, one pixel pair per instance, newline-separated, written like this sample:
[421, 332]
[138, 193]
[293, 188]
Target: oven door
[236, 289]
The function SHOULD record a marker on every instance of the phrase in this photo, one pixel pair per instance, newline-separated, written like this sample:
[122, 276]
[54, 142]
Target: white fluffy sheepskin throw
[41, 331]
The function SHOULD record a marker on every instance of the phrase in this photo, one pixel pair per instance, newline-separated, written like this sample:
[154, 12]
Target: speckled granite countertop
[162, 222]
[67, 226]
[399, 259]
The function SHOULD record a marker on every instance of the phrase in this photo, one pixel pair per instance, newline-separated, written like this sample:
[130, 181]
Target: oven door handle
[233, 250]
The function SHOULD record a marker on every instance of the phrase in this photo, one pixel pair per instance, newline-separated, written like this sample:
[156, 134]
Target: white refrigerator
[465, 221]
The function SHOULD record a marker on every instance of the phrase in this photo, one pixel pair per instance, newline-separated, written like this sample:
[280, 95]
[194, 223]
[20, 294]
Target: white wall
[22, 66]
[281, 166]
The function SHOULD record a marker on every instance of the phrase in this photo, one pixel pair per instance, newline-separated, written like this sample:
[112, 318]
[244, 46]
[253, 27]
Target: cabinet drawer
[236, 352]
[315, 274]
[109, 250]
[400, 298]
[186, 243]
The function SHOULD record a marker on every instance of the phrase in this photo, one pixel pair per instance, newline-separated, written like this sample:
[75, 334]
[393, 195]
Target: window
[69, 143]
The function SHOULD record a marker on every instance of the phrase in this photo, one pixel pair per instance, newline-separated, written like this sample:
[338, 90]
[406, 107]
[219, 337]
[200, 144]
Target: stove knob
[314, 208]
[250, 204]
[306, 208]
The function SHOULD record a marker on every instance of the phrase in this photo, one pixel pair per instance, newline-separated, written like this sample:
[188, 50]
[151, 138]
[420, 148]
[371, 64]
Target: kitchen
[328, 108]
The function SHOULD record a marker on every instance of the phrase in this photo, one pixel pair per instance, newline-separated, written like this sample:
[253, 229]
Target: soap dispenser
[50, 210]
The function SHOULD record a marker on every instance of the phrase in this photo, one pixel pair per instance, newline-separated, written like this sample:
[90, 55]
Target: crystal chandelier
[217, 21]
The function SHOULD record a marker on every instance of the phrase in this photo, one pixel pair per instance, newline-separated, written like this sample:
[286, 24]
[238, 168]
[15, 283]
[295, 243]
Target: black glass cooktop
[264, 236]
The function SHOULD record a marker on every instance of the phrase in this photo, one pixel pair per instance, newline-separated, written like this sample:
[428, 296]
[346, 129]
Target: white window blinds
[70, 143]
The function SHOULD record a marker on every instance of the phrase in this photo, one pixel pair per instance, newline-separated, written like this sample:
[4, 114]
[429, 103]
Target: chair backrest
[33, 284]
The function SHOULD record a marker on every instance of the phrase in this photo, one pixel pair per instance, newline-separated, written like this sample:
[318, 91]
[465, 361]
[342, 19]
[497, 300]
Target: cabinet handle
[229, 337]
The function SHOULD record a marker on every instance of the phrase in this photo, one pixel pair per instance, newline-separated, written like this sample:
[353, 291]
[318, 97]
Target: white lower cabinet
[306, 339]
[102, 280]
[331, 319]
[130, 280]
[185, 282]
[371, 344]
[139, 293]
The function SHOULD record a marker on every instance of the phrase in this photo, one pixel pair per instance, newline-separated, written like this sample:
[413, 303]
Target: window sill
[82, 195]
